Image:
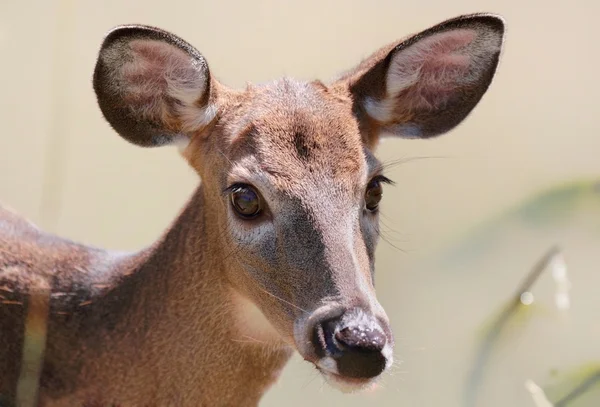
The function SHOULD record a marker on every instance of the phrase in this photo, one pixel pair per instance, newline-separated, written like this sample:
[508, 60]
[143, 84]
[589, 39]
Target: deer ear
[426, 85]
[152, 87]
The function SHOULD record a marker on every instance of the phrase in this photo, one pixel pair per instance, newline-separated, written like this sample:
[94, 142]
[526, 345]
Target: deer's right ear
[152, 87]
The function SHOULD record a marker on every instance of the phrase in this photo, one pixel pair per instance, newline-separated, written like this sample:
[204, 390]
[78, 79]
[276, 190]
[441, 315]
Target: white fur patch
[388, 354]
[380, 110]
[253, 326]
[349, 385]
[181, 142]
[193, 116]
[327, 364]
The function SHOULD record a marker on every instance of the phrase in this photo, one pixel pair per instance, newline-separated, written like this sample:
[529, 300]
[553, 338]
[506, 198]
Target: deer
[274, 253]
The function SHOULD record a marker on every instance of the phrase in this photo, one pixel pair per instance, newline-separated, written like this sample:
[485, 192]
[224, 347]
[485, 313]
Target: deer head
[289, 172]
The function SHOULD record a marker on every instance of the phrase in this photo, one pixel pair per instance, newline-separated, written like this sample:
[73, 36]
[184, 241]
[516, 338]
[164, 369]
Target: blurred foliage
[546, 215]
[578, 387]
[552, 208]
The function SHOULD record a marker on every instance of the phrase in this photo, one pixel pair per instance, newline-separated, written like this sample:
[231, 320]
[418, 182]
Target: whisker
[311, 379]
[282, 300]
[404, 160]
[224, 156]
[385, 239]
[391, 230]
[322, 385]
[243, 341]
[249, 340]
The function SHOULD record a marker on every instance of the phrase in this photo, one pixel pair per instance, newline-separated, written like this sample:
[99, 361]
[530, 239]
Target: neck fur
[215, 343]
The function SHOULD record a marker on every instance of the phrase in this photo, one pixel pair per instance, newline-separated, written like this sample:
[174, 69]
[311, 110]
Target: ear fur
[427, 84]
[152, 87]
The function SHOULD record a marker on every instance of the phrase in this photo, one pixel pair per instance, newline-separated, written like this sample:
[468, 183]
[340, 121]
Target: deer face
[300, 195]
[289, 172]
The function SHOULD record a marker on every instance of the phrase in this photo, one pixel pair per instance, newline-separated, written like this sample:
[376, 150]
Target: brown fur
[119, 322]
[174, 323]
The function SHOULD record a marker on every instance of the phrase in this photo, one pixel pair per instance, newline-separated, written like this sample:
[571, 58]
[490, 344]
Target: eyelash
[382, 179]
[230, 189]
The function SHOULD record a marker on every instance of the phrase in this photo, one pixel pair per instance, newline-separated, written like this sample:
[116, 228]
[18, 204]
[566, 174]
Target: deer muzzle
[351, 347]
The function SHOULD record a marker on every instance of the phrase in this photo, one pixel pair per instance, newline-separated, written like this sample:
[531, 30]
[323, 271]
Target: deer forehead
[296, 134]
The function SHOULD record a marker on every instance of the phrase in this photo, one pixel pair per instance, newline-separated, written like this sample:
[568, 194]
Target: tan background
[62, 166]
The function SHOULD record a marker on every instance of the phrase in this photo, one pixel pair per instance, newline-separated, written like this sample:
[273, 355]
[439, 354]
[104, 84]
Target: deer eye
[373, 194]
[245, 201]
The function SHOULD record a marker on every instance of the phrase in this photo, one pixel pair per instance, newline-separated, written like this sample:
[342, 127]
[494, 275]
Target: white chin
[348, 384]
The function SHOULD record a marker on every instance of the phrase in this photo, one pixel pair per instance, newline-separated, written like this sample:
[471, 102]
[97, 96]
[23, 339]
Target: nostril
[330, 343]
[361, 339]
[323, 335]
[319, 340]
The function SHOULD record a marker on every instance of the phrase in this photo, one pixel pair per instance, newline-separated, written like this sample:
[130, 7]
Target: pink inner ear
[432, 68]
[154, 64]
[159, 74]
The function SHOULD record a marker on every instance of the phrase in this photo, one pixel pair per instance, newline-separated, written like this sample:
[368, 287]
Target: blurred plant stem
[510, 310]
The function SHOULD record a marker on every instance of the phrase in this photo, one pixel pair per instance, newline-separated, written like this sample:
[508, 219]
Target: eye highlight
[374, 192]
[245, 201]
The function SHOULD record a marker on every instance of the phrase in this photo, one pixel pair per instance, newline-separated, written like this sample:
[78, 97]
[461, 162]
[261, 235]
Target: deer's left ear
[426, 85]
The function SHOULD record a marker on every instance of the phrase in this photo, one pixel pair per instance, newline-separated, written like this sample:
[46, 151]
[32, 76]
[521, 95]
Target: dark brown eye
[245, 201]
[373, 195]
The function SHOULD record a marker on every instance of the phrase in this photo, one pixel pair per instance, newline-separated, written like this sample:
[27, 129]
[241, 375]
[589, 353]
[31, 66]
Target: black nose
[355, 344]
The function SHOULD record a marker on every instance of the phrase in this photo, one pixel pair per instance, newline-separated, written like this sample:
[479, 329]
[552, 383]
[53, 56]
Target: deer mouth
[349, 384]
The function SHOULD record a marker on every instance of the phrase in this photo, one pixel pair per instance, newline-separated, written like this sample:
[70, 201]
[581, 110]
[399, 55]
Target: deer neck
[204, 330]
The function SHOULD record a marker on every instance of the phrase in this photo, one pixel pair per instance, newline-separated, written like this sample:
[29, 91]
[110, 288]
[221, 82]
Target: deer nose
[360, 339]
[356, 344]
